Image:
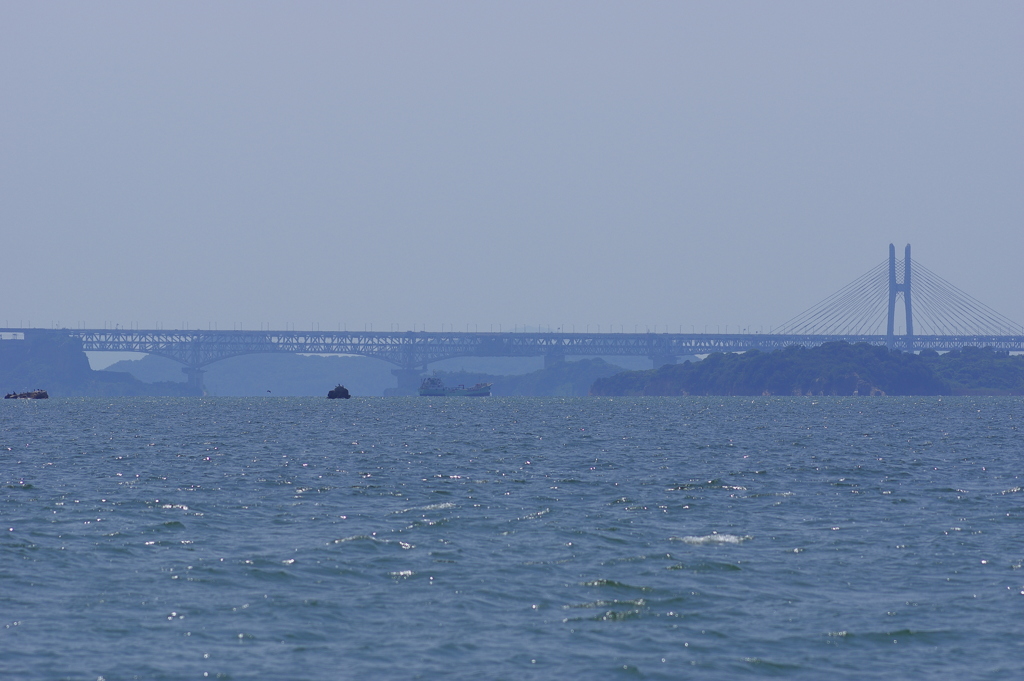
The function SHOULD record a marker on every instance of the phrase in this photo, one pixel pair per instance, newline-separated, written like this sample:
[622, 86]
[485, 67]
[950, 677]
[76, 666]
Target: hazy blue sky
[558, 163]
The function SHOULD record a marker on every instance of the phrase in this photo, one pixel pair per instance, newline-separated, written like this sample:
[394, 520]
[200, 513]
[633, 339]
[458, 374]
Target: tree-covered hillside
[830, 369]
[978, 371]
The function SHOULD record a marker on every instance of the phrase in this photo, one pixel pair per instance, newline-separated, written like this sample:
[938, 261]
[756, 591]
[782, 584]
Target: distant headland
[829, 369]
[56, 361]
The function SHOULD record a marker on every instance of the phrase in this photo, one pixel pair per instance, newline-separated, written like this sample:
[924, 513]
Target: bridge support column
[195, 379]
[895, 289]
[408, 380]
[661, 360]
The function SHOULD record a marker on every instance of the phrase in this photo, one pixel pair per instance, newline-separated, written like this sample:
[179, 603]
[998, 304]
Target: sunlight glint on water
[511, 538]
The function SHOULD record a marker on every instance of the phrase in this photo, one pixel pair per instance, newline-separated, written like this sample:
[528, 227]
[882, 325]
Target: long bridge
[947, 319]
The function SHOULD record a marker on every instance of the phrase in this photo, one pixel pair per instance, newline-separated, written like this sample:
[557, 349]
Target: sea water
[512, 538]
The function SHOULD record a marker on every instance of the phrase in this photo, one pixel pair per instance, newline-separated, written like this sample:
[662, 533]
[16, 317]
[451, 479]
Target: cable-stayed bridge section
[936, 315]
[935, 312]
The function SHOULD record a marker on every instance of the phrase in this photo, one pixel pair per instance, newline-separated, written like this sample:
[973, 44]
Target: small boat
[339, 393]
[435, 387]
[31, 395]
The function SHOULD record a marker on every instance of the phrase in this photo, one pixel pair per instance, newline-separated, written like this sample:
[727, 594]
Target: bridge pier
[553, 357]
[894, 290]
[195, 379]
[408, 380]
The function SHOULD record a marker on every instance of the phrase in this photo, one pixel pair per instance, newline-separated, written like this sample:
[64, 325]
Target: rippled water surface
[512, 538]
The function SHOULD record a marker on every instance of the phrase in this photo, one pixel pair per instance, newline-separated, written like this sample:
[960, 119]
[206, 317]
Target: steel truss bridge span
[416, 349]
[412, 351]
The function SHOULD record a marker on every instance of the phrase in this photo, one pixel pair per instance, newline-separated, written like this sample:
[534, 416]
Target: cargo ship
[435, 387]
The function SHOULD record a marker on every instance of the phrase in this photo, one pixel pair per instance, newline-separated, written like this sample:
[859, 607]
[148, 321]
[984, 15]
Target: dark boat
[31, 395]
[339, 393]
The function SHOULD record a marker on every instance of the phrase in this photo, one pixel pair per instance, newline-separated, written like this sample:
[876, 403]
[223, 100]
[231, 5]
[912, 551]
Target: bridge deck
[416, 349]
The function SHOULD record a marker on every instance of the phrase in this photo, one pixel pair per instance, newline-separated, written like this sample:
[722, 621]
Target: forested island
[829, 369]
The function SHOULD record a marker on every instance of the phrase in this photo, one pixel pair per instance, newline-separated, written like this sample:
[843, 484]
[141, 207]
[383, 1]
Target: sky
[479, 165]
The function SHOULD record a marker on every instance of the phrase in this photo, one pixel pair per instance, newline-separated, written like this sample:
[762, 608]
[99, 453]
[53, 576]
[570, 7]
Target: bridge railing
[415, 349]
